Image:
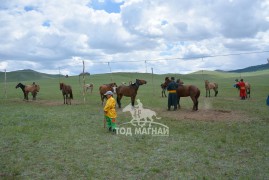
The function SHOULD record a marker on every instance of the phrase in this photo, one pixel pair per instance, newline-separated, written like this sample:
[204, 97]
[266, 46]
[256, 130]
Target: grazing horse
[34, 88]
[107, 87]
[88, 87]
[66, 90]
[185, 91]
[209, 86]
[129, 91]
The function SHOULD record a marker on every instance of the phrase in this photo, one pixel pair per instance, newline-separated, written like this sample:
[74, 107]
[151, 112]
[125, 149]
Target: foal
[209, 86]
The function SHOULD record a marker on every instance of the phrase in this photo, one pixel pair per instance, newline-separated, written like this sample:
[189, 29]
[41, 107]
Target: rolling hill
[25, 75]
[31, 75]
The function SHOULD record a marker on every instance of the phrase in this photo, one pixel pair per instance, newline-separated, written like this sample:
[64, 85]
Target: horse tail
[71, 94]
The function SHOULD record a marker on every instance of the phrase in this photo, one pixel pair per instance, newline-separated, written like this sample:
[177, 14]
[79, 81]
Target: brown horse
[164, 85]
[209, 86]
[66, 90]
[107, 87]
[34, 88]
[185, 91]
[129, 91]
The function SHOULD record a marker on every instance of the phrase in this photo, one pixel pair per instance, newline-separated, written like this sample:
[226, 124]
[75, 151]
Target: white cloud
[42, 35]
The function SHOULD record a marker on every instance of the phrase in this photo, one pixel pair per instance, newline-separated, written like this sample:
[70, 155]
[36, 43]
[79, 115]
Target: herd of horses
[131, 90]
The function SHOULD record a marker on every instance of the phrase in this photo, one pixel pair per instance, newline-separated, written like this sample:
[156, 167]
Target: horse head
[140, 81]
[20, 85]
[167, 81]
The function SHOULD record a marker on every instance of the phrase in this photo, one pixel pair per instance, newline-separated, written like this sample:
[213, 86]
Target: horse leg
[118, 100]
[195, 103]
[216, 92]
[206, 93]
[178, 101]
[26, 95]
[133, 100]
[68, 99]
[34, 95]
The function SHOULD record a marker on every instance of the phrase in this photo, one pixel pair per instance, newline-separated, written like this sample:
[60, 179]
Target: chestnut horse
[209, 86]
[107, 87]
[129, 91]
[185, 91]
[66, 90]
[34, 88]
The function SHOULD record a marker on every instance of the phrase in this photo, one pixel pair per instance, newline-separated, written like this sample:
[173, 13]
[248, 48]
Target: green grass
[48, 140]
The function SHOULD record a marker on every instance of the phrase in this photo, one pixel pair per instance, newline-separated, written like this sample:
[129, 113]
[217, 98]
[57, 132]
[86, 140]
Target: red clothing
[242, 86]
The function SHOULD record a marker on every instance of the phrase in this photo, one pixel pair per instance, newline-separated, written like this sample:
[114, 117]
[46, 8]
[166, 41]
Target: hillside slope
[26, 75]
[252, 68]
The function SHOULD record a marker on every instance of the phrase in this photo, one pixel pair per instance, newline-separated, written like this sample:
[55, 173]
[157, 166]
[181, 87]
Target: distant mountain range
[252, 68]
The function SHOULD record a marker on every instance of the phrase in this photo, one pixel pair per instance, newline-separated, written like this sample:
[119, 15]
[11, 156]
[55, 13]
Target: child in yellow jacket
[110, 111]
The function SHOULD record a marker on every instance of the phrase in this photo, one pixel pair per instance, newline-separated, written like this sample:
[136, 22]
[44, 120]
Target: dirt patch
[204, 115]
[47, 102]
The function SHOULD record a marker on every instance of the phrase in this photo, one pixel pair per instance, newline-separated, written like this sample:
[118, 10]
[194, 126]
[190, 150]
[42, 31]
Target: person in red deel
[242, 88]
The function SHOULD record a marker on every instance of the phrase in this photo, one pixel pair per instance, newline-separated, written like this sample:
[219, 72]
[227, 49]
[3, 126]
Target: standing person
[172, 96]
[110, 111]
[242, 87]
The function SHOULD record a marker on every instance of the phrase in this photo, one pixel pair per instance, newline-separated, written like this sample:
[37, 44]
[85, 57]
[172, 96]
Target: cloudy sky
[168, 36]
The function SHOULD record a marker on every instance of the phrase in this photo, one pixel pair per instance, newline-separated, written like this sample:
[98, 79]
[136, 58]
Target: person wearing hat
[110, 111]
[242, 86]
[172, 96]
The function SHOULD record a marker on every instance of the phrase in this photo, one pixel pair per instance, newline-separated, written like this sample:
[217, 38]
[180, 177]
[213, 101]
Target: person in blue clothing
[172, 96]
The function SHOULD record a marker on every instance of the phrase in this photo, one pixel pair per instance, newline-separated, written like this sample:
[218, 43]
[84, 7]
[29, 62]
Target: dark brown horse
[66, 90]
[163, 86]
[185, 91]
[107, 87]
[129, 91]
[34, 88]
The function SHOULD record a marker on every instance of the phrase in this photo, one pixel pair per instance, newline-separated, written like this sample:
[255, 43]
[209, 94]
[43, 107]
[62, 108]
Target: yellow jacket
[110, 108]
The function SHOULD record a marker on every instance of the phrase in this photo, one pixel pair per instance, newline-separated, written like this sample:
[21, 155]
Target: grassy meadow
[226, 139]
